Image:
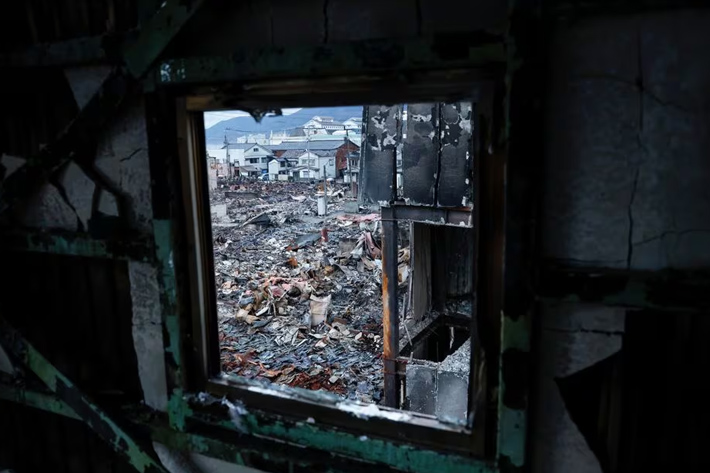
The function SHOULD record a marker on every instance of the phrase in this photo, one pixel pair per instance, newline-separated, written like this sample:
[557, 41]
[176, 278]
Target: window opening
[298, 251]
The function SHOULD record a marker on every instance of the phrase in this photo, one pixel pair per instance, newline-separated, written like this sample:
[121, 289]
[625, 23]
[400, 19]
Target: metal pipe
[390, 313]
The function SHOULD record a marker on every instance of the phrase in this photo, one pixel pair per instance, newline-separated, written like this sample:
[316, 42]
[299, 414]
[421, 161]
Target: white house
[257, 155]
[278, 169]
[310, 165]
[248, 154]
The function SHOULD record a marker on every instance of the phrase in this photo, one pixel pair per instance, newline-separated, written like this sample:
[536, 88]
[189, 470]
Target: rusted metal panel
[456, 162]
[420, 154]
[378, 163]
[390, 312]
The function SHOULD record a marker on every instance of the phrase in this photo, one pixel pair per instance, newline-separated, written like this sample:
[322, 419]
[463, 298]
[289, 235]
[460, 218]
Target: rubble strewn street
[299, 295]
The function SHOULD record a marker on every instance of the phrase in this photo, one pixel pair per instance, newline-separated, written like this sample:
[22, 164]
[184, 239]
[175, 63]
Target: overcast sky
[215, 117]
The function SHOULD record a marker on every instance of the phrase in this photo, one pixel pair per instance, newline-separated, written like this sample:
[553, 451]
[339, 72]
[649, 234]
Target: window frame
[420, 431]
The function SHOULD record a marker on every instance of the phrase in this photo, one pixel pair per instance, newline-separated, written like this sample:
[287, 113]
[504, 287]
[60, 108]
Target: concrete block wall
[440, 389]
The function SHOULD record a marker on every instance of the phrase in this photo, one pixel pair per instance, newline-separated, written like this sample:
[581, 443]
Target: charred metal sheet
[420, 154]
[71, 395]
[455, 177]
[383, 127]
[73, 244]
[431, 215]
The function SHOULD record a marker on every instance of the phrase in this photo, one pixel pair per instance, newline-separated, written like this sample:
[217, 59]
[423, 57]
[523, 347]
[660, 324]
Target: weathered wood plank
[420, 155]
[454, 186]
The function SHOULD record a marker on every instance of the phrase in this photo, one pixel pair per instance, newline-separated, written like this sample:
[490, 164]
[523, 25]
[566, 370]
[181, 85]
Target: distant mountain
[214, 135]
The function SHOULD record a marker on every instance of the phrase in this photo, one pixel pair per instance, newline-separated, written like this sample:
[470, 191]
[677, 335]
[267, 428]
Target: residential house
[279, 169]
[312, 164]
[234, 152]
[258, 156]
[353, 170]
[253, 155]
[339, 149]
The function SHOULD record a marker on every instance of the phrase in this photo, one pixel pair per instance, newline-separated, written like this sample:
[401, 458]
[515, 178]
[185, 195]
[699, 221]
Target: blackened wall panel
[664, 419]
[420, 154]
[77, 312]
[454, 188]
[382, 136]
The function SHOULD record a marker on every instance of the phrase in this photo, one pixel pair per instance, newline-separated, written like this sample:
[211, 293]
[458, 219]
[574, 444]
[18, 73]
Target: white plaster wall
[573, 337]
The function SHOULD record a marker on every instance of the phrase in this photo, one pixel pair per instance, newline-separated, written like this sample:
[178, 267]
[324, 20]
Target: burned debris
[298, 294]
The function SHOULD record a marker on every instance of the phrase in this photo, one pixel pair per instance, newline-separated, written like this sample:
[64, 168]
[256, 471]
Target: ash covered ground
[298, 295]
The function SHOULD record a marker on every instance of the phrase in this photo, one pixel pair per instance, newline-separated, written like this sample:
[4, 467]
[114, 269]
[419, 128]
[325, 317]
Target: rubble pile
[298, 295]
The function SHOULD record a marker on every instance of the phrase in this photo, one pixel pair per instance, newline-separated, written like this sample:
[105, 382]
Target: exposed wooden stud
[357, 57]
[133, 249]
[138, 54]
[157, 33]
[73, 399]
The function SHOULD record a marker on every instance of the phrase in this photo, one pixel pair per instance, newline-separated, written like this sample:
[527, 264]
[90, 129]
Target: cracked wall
[628, 131]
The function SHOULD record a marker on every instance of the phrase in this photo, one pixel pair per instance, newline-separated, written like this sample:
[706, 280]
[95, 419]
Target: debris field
[299, 295]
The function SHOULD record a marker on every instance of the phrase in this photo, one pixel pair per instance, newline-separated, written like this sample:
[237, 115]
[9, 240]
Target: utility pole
[229, 161]
[347, 160]
[325, 189]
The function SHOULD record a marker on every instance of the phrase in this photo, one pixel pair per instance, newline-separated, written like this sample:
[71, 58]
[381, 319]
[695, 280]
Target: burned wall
[627, 135]
[224, 27]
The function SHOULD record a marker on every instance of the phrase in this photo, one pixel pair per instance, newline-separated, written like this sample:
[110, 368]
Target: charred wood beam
[73, 52]
[359, 57]
[668, 290]
[75, 400]
[75, 244]
[218, 440]
[156, 34]
[75, 143]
